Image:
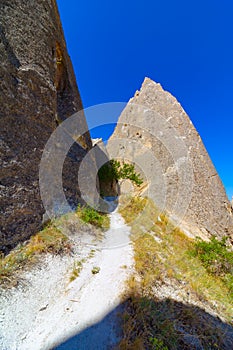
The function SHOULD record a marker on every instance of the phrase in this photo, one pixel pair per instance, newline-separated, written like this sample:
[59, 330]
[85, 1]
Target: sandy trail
[49, 311]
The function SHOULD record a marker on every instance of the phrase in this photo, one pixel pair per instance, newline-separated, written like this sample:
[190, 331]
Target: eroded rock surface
[37, 92]
[155, 132]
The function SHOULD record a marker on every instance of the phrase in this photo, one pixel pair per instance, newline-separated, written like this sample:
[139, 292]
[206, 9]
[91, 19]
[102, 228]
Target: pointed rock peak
[149, 84]
[153, 95]
[148, 80]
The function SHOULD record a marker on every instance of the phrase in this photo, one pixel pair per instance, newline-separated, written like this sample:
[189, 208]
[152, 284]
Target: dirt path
[49, 310]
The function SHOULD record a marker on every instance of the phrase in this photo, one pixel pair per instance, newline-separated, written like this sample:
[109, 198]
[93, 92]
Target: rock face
[157, 135]
[37, 92]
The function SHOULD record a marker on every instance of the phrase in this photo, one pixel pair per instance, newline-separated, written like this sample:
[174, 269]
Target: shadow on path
[103, 335]
[180, 326]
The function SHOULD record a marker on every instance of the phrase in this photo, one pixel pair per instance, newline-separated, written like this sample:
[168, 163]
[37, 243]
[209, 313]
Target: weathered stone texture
[37, 91]
[155, 132]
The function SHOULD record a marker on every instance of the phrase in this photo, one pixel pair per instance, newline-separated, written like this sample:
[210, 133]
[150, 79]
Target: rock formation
[37, 92]
[157, 135]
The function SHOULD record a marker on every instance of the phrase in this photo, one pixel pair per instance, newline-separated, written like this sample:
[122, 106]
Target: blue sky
[187, 46]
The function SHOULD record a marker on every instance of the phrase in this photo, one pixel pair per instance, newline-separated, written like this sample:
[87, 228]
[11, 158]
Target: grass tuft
[77, 268]
[93, 217]
[95, 270]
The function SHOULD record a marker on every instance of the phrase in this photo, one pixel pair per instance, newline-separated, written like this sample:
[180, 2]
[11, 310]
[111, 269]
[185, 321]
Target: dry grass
[50, 240]
[162, 255]
[131, 207]
[77, 268]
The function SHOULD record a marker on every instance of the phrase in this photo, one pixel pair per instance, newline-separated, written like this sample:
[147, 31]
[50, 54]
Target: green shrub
[157, 344]
[114, 170]
[93, 217]
[216, 257]
[109, 171]
[127, 171]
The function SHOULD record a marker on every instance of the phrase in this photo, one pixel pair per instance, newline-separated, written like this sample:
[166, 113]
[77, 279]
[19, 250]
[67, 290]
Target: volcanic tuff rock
[155, 132]
[37, 91]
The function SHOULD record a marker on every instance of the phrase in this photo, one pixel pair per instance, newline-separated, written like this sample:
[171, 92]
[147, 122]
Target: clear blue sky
[187, 46]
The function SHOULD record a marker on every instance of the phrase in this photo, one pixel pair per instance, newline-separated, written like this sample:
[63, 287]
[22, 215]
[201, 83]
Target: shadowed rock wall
[37, 92]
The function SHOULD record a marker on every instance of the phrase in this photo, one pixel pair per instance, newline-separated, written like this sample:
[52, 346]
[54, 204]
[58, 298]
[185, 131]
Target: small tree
[114, 170]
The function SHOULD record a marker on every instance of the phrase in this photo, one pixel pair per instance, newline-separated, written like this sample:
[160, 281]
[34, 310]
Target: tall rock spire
[37, 92]
[155, 132]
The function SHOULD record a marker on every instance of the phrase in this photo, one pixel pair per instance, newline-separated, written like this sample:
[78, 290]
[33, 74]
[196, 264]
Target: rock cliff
[37, 92]
[157, 135]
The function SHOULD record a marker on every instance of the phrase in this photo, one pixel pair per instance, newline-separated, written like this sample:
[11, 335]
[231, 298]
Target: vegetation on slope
[50, 240]
[173, 285]
[217, 258]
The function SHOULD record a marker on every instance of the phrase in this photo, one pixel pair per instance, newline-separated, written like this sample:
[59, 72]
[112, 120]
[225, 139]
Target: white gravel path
[48, 310]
